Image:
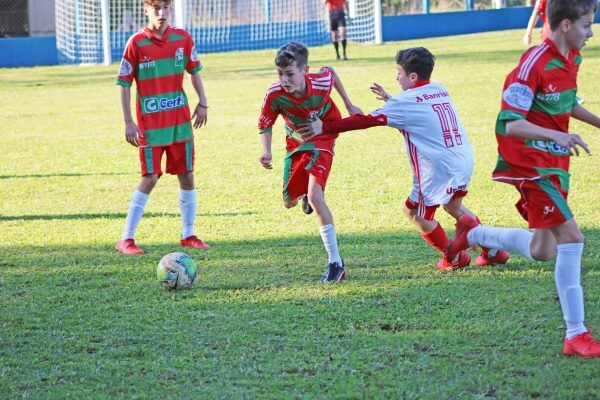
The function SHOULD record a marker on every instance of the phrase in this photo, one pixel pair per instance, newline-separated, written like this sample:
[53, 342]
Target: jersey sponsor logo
[154, 104]
[126, 68]
[459, 188]
[549, 147]
[179, 57]
[419, 100]
[548, 96]
[194, 55]
[518, 96]
[146, 62]
[434, 95]
[551, 88]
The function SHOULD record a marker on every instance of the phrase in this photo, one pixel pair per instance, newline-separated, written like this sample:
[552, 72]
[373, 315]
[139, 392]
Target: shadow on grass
[62, 174]
[46, 217]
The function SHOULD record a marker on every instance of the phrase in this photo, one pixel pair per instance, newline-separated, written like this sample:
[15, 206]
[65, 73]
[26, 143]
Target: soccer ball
[176, 271]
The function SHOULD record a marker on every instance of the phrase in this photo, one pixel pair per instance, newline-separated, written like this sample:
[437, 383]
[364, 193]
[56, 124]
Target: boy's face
[406, 81]
[292, 79]
[579, 31]
[158, 14]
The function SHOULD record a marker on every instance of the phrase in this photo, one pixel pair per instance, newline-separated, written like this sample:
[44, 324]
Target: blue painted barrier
[28, 51]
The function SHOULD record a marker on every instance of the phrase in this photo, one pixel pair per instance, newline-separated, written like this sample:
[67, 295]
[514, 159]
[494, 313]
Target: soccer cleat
[463, 261]
[583, 345]
[460, 242]
[306, 207]
[334, 273]
[193, 241]
[128, 246]
[344, 57]
[337, 57]
[483, 260]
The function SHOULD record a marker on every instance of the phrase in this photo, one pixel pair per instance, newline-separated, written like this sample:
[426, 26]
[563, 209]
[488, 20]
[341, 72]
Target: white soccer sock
[330, 241]
[567, 275]
[509, 239]
[187, 204]
[134, 214]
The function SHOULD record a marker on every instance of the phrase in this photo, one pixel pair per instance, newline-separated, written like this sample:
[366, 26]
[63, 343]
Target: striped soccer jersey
[295, 111]
[438, 148]
[157, 66]
[542, 90]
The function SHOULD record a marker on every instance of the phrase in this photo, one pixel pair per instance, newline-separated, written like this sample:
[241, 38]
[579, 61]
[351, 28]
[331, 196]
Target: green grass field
[78, 320]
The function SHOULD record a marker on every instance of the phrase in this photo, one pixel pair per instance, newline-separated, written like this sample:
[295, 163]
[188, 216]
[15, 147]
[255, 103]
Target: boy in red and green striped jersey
[156, 58]
[534, 146]
[300, 97]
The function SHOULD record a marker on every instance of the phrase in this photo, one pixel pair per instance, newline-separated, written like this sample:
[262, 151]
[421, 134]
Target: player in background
[156, 58]
[534, 146]
[437, 145]
[300, 96]
[337, 24]
[539, 11]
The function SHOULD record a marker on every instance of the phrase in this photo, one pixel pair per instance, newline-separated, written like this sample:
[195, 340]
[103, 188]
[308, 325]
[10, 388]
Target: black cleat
[334, 273]
[306, 207]
[344, 57]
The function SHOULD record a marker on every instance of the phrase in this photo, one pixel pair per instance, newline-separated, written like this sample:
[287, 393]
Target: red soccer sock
[437, 238]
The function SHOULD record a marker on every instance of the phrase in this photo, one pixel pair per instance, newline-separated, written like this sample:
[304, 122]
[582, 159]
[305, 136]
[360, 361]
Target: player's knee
[316, 200]
[543, 253]
[290, 204]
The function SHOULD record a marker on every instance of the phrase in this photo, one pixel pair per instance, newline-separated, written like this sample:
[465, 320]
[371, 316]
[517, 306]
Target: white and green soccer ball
[176, 271]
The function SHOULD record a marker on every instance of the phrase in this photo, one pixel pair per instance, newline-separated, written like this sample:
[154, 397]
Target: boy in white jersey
[437, 145]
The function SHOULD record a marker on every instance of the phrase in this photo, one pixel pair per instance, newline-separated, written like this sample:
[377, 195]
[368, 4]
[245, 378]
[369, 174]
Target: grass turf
[79, 320]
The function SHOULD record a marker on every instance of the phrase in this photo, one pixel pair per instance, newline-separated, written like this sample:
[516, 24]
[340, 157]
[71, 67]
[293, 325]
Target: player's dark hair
[292, 52]
[559, 10]
[418, 60]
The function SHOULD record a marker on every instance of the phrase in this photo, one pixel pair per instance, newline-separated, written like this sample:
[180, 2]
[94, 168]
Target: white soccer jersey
[436, 142]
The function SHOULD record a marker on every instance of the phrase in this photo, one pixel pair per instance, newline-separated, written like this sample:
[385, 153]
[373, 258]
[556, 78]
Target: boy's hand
[527, 39]
[571, 142]
[311, 129]
[265, 160]
[200, 116]
[379, 92]
[132, 133]
[353, 110]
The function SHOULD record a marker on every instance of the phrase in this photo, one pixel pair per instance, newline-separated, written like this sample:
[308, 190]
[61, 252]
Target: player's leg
[295, 179]
[567, 276]
[180, 162]
[333, 24]
[150, 158]
[488, 256]
[342, 30]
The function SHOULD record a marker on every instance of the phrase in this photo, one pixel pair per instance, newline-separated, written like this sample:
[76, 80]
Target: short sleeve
[519, 89]
[268, 116]
[393, 110]
[193, 61]
[127, 68]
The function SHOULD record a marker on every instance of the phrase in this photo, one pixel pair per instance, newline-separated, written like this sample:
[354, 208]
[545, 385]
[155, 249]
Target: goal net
[96, 31]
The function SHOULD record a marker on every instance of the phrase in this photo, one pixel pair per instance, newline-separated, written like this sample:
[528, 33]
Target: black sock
[335, 44]
[344, 46]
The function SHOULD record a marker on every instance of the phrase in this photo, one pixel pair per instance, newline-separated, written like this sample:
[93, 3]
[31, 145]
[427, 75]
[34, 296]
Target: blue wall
[28, 52]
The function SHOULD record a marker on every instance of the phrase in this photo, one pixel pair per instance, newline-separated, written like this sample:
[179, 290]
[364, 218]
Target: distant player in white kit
[437, 145]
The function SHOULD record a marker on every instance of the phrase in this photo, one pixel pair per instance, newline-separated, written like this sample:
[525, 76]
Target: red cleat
[583, 345]
[483, 260]
[463, 261]
[193, 241]
[128, 246]
[460, 242]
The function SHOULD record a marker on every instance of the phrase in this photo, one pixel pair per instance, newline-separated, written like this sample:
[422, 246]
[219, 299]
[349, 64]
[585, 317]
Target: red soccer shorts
[180, 158]
[299, 166]
[543, 204]
[428, 212]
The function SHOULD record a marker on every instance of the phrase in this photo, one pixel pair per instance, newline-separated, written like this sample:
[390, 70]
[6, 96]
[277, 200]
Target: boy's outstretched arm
[351, 123]
[524, 129]
[581, 113]
[200, 115]
[380, 93]
[337, 84]
[132, 132]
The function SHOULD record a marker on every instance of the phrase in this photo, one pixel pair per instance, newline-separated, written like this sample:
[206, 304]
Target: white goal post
[96, 31]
